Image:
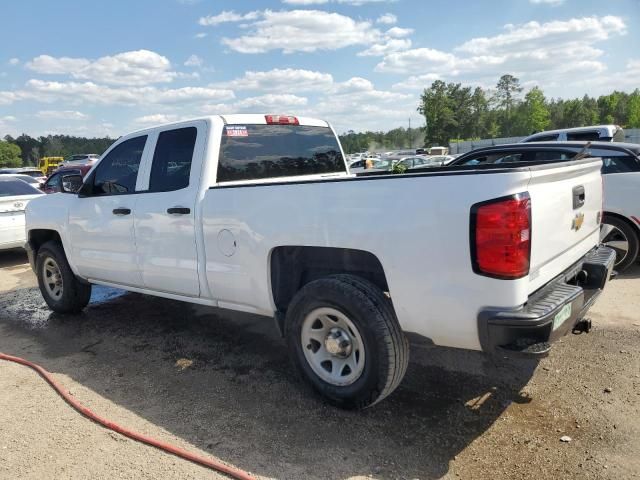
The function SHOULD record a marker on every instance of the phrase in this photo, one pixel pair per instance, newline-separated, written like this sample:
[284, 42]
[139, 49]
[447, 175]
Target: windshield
[251, 152]
[10, 188]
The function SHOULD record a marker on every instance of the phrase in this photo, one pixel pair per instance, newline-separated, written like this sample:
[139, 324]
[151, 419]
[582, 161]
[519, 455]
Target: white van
[595, 133]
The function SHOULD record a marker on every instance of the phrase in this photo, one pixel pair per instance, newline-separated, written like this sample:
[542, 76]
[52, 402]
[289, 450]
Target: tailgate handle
[578, 196]
[121, 211]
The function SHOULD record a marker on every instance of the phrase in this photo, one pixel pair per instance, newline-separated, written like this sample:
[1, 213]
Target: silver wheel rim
[52, 278]
[332, 346]
[615, 238]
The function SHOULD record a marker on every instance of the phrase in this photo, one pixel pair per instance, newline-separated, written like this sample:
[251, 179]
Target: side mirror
[71, 183]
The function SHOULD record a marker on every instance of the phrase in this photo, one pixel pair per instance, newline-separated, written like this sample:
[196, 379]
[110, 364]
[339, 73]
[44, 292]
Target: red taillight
[281, 120]
[501, 237]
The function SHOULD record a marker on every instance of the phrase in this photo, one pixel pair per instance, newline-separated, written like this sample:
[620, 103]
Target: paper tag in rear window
[236, 131]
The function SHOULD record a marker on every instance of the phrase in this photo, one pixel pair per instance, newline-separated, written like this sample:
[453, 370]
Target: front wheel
[623, 238]
[345, 340]
[62, 291]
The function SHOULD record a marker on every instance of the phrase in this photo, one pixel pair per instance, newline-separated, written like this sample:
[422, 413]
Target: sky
[108, 68]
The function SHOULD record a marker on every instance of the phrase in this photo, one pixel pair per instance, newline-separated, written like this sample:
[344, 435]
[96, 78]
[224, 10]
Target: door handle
[179, 210]
[121, 211]
[578, 196]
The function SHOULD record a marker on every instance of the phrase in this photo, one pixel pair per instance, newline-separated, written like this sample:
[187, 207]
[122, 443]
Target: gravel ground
[219, 383]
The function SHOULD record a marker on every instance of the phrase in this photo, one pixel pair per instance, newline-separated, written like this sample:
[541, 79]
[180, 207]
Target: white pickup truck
[259, 213]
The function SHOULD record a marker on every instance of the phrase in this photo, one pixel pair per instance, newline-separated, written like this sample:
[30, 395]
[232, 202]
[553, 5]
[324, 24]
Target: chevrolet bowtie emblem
[577, 222]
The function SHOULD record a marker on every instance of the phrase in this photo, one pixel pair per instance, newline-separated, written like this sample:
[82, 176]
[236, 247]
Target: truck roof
[239, 118]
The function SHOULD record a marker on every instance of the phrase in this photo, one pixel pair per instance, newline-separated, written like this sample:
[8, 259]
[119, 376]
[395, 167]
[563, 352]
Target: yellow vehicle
[49, 164]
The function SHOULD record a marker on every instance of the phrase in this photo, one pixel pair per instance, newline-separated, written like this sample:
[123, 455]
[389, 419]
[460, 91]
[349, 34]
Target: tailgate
[566, 200]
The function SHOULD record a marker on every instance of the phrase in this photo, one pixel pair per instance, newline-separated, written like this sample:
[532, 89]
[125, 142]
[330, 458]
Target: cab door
[101, 231]
[165, 214]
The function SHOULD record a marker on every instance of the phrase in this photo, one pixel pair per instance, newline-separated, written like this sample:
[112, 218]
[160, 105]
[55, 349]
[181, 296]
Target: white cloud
[13, 61]
[155, 119]
[423, 59]
[227, 16]
[356, 104]
[416, 82]
[534, 35]
[305, 2]
[139, 67]
[61, 115]
[558, 50]
[553, 3]
[201, 35]
[303, 31]
[381, 49]
[397, 32]
[194, 61]
[76, 93]
[283, 80]
[356, 3]
[387, 19]
[270, 101]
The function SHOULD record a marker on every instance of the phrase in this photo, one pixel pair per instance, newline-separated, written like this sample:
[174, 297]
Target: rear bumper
[549, 313]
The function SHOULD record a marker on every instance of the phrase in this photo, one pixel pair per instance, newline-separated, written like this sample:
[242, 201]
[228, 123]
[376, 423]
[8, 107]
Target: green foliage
[9, 155]
[398, 168]
[633, 110]
[454, 112]
[536, 116]
[353, 142]
[32, 149]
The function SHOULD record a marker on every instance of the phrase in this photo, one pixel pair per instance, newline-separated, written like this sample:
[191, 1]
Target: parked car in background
[418, 161]
[262, 216]
[600, 133]
[54, 182]
[377, 164]
[48, 164]
[15, 194]
[80, 159]
[26, 178]
[31, 171]
[621, 178]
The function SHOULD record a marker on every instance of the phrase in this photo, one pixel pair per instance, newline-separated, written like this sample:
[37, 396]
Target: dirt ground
[219, 383]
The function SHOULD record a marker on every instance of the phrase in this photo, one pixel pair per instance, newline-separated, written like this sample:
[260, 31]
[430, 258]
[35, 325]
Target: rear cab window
[257, 152]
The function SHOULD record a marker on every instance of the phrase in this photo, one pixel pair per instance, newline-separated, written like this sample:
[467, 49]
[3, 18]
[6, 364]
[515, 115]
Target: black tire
[386, 347]
[75, 294]
[623, 261]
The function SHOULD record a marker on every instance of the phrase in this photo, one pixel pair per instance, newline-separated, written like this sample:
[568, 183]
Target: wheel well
[294, 266]
[634, 225]
[38, 237]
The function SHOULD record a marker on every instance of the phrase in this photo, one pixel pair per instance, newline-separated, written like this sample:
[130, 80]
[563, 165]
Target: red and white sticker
[236, 131]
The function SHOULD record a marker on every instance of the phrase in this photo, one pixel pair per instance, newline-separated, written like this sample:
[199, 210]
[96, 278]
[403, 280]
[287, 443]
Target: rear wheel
[60, 288]
[617, 234]
[345, 340]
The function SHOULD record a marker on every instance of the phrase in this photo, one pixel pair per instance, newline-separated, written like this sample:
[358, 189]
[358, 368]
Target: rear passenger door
[165, 215]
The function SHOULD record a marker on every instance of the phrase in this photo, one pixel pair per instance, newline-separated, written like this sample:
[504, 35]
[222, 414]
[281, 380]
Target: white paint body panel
[417, 226]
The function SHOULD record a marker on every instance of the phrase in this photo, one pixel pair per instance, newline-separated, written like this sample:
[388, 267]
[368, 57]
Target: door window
[118, 171]
[171, 166]
[551, 156]
[616, 161]
[590, 135]
[54, 183]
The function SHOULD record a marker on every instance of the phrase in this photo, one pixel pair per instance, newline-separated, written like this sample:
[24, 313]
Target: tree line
[456, 112]
[32, 149]
[451, 112]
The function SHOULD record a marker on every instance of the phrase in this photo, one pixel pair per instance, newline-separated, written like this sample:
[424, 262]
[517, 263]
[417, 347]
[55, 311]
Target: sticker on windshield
[236, 131]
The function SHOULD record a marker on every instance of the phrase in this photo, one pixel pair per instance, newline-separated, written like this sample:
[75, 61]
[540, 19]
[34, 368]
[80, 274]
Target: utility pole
[409, 132]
